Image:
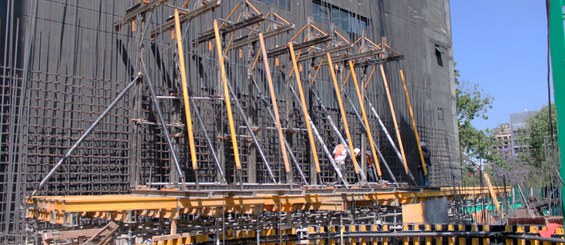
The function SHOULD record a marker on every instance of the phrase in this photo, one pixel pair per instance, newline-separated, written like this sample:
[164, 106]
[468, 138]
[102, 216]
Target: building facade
[503, 144]
[518, 124]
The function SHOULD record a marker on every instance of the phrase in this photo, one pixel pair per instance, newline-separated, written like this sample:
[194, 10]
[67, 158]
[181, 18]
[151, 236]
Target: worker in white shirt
[340, 154]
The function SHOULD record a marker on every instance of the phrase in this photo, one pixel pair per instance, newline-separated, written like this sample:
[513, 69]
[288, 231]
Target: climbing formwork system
[202, 117]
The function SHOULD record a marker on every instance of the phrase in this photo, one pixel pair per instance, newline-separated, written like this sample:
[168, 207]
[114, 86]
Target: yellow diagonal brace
[274, 102]
[187, 114]
[492, 192]
[413, 122]
[343, 113]
[393, 113]
[365, 119]
[304, 108]
[227, 95]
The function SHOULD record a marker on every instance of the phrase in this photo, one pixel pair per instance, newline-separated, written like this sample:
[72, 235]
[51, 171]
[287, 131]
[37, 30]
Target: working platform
[67, 210]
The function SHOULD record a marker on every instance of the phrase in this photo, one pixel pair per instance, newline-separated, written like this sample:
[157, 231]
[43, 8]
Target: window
[320, 13]
[282, 4]
[440, 115]
[350, 22]
[439, 55]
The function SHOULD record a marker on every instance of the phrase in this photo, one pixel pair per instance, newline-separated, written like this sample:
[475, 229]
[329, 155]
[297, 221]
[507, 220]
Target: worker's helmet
[356, 151]
[423, 143]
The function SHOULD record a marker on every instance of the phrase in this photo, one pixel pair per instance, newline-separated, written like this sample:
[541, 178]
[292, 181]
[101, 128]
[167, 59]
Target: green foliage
[473, 104]
[476, 145]
[538, 137]
[534, 167]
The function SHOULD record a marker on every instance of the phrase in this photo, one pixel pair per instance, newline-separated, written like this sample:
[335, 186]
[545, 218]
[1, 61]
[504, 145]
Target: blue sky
[501, 45]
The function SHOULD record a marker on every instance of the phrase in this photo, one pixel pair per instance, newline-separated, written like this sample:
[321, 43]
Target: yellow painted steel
[534, 230]
[428, 240]
[462, 239]
[474, 240]
[304, 108]
[365, 119]
[405, 241]
[508, 241]
[58, 209]
[274, 102]
[385, 239]
[520, 230]
[450, 240]
[416, 240]
[227, 95]
[136, 202]
[486, 240]
[393, 113]
[185, 99]
[343, 113]
[414, 127]
[492, 192]
[438, 239]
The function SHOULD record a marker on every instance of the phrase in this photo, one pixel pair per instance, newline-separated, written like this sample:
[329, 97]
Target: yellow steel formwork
[63, 209]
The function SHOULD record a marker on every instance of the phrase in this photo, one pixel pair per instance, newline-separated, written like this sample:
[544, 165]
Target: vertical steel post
[272, 115]
[365, 119]
[304, 108]
[379, 153]
[188, 117]
[414, 127]
[227, 96]
[319, 137]
[557, 45]
[253, 137]
[393, 113]
[163, 123]
[209, 140]
[287, 167]
[343, 117]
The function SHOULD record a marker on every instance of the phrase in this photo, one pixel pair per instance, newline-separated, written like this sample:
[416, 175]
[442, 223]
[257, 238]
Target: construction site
[222, 122]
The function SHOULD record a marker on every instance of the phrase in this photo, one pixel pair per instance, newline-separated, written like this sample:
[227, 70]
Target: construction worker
[371, 174]
[427, 153]
[340, 154]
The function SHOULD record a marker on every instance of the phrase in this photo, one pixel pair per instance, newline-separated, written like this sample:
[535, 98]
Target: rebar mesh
[63, 63]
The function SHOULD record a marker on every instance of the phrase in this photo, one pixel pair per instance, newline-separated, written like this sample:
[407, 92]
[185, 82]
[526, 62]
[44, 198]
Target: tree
[539, 138]
[476, 144]
[534, 166]
[473, 104]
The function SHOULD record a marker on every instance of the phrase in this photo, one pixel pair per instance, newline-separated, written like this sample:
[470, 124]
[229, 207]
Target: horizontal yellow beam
[332, 201]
